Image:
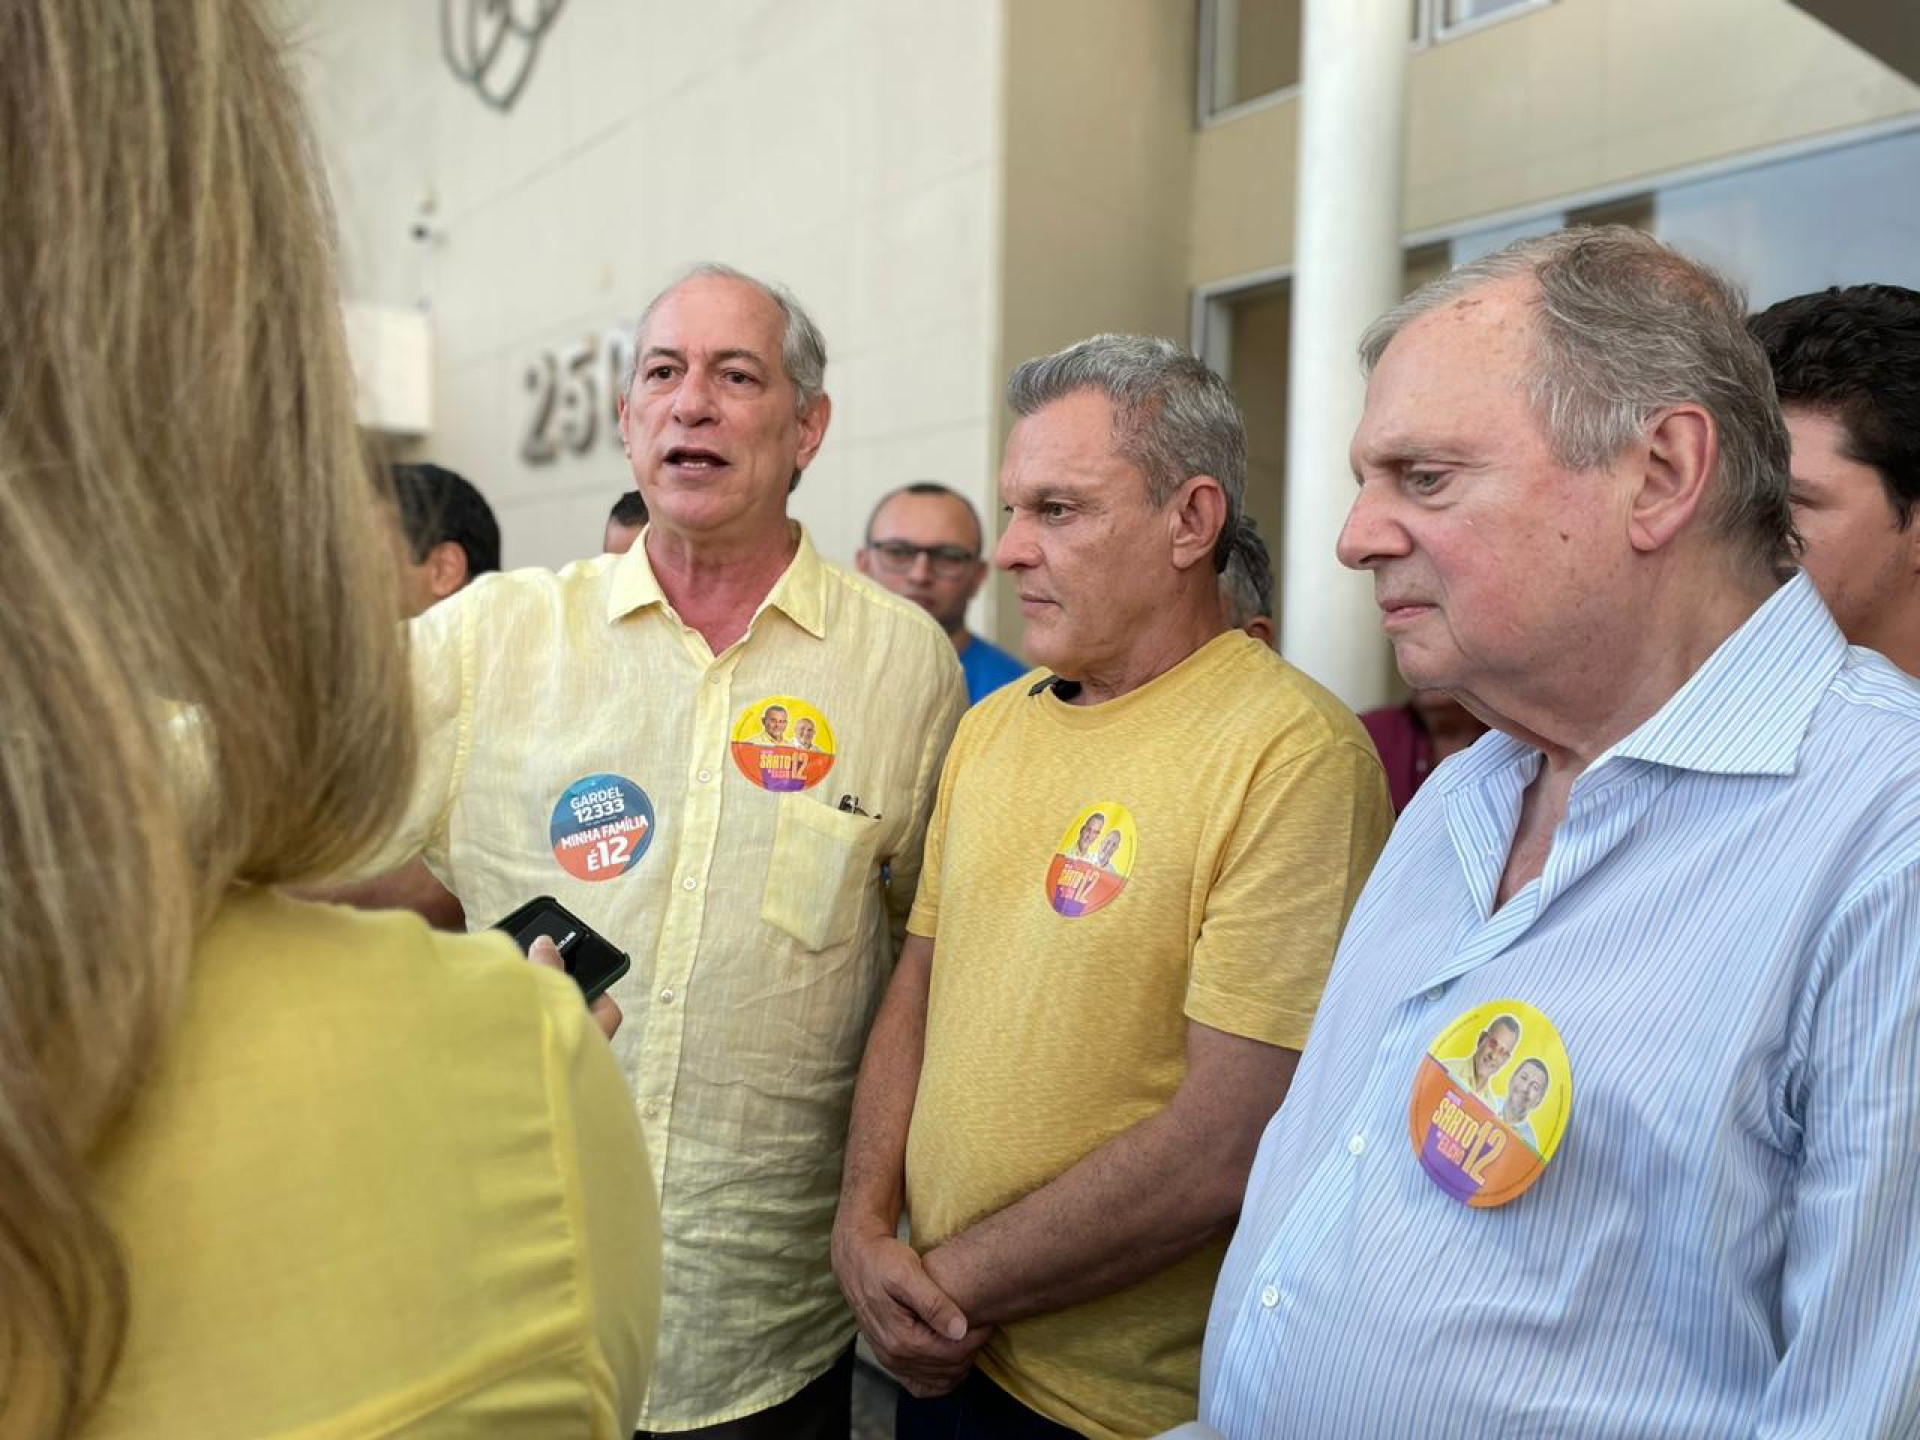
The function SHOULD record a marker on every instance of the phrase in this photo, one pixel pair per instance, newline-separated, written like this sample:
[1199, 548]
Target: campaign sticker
[1093, 861]
[1490, 1103]
[601, 827]
[783, 743]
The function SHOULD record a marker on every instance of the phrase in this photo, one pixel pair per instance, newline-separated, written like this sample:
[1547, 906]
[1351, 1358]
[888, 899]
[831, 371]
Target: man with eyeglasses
[923, 543]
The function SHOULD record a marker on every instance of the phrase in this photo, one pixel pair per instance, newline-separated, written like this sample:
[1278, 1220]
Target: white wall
[848, 148]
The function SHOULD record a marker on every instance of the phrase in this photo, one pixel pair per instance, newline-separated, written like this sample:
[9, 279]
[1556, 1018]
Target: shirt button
[1269, 1297]
[689, 883]
[703, 776]
[1436, 992]
[1356, 1144]
[666, 997]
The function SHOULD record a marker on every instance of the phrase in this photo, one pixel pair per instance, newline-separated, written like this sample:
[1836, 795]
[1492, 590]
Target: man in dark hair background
[451, 535]
[1847, 365]
[445, 536]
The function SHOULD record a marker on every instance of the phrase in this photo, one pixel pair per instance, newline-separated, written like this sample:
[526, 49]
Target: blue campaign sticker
[601, 827]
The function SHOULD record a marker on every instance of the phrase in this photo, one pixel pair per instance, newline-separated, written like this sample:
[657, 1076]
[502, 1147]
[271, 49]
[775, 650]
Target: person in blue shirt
[924, 543]
[1689, 857]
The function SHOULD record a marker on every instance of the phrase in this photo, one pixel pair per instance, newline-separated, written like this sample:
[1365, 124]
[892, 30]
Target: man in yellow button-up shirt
[599, 735]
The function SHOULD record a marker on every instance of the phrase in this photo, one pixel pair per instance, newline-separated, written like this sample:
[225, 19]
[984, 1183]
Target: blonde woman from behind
[265, 1167]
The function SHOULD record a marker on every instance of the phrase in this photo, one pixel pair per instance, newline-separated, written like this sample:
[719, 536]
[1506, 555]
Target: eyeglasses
[949, 562]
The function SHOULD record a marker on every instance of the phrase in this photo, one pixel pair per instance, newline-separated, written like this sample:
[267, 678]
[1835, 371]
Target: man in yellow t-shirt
[1091, 1023]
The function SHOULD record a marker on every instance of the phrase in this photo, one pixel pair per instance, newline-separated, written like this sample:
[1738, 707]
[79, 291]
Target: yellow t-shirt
[1096, 877]
[382, 1180]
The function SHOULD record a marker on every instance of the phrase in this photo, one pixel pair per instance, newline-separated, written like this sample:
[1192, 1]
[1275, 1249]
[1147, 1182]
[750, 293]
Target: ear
[446, 566]
[979, 578]
[813, 430]
[1195, 516]
[1910, 537]
[1682, 450]
[860, 562]
[1261, 628]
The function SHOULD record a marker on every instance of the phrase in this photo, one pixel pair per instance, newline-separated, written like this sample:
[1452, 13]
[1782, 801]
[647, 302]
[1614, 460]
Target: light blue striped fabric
[1727, 935]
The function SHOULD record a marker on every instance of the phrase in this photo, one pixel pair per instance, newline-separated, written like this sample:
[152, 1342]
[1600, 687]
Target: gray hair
[1625, 327]
[1246, 585]
[803, 350]
[1173, 418]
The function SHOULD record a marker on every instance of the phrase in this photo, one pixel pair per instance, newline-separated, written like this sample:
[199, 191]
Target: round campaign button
[1094, 859]
[783, 743]
[601, 826]
[1491, 1100]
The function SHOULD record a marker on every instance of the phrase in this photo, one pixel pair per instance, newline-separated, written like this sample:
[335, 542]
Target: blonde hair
[189, 552]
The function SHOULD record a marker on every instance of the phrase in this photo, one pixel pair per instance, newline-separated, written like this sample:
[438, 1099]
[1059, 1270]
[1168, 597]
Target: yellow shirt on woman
[382, 1181]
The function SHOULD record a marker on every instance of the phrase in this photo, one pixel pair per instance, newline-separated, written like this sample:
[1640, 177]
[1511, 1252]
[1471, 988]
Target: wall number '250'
[574, 390]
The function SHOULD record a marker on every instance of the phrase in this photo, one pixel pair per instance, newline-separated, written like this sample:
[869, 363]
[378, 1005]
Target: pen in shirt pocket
[850, 804]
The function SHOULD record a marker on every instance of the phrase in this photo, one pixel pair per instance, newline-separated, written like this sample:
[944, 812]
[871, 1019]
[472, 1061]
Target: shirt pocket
[820, 870]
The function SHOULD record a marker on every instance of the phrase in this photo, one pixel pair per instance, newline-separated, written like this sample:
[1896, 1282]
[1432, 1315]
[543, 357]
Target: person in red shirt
[1414, 737]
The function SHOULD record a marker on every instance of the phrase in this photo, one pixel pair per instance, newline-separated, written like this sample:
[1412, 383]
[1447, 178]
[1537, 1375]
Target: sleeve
[918, 860]
[615, 1214]
[440, 662]
[1850, 1291]
[1306, 838]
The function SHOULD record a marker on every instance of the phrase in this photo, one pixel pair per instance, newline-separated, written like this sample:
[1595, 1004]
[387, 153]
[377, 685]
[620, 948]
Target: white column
[1347, 269]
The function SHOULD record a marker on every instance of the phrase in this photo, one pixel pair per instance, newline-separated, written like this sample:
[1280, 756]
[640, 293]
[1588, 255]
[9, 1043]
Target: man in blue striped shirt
[1688, 858]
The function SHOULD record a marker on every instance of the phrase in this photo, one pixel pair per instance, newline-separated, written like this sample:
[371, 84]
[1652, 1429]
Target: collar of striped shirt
[1723, 1243]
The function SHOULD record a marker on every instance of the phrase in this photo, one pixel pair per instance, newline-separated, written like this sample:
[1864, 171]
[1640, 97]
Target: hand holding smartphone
[590, 958]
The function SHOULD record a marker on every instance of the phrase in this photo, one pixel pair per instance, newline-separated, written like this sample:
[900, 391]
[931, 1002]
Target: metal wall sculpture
[492, 44]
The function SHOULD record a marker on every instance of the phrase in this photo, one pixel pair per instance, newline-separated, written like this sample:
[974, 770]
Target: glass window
[1462, 12]
[1843, 216]
[1249, 48]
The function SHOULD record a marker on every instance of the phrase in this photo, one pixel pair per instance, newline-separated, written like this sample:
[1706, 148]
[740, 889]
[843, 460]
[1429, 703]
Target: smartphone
[591, 959]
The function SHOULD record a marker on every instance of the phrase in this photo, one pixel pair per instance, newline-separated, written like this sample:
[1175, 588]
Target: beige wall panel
[1099, 140]
[1496, 98]
[1242, 215]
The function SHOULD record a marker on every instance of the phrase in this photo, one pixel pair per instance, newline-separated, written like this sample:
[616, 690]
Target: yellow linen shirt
[380, 1181]
[1097, 877]
[579, 740]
